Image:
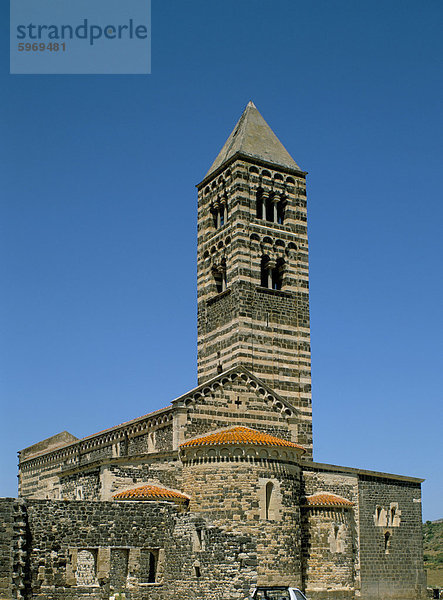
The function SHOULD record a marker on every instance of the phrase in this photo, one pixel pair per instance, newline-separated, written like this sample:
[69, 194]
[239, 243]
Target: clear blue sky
[98, 221]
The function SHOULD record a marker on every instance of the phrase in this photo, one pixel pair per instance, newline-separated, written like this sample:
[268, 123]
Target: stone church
[218, 492]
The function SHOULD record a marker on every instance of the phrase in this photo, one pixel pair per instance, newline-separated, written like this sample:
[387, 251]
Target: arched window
[151, 441]
[378, 515]
[270, 206]
[219, 211]
[268, 499]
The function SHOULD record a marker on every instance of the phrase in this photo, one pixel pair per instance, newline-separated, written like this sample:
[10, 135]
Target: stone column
[275, 201]
[269, 268]
[264, 197]
[222, 271]
[216, 206]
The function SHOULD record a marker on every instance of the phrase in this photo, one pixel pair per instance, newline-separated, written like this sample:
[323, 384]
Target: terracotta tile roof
[240, 435]
[150, 492]
[327, 500]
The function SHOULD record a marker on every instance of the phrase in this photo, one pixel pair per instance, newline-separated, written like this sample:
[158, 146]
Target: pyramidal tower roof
[253, 137]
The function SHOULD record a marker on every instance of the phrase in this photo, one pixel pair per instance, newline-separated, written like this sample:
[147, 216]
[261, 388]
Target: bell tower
[252, 266]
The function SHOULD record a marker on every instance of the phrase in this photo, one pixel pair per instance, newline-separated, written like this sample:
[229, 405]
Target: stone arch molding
[273, 247]
[216, 257]
[197, 396]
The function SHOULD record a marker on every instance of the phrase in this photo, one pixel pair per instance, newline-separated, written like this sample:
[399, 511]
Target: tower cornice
[253, 161]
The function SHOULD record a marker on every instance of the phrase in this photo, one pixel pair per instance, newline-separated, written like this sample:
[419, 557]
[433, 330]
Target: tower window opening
[280, 212]
[265, 268]
[259, 204]
[215, 217]
[272, 273]
[269, 210]
[270, 207]
[220, 277]
[219, 210]
[277, 275]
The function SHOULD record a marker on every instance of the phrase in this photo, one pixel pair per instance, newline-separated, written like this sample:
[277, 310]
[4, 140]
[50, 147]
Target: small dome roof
[240, 435]
[150, 492]
[325, 499]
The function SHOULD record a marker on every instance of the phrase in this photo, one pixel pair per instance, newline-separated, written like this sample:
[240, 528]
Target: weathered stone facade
[217, 492]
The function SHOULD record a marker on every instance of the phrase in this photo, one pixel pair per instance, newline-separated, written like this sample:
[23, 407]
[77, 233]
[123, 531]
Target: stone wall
[391, 546]
[10, 517]
[96, 550]
[239, 490]
[167, 471]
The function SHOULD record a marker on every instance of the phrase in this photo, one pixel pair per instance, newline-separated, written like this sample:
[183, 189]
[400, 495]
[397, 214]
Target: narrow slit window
[387, 541]
[199, 538]
[268, 500]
